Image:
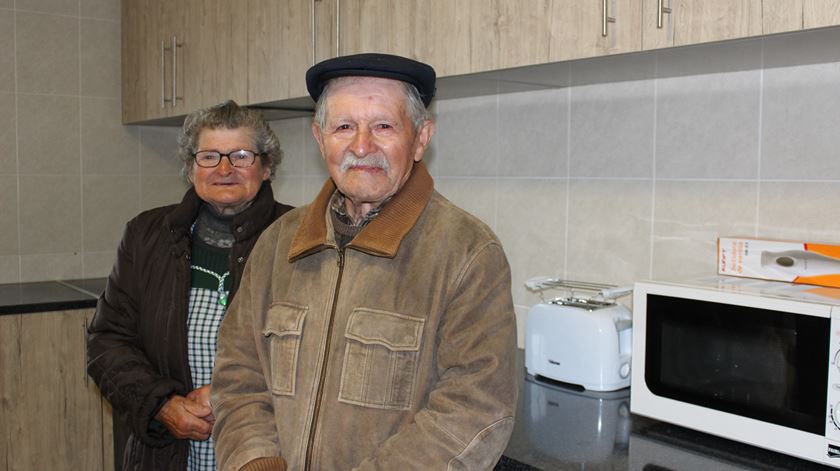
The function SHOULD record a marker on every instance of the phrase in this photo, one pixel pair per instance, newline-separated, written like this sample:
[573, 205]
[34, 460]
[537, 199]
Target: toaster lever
[623, 325]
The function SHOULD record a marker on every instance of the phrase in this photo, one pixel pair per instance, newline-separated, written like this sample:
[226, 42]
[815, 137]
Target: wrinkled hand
[202, 396]
[185, 418]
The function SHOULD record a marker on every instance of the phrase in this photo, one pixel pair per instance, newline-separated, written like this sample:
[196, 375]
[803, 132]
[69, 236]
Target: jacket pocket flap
[284, 319]
[394, 331]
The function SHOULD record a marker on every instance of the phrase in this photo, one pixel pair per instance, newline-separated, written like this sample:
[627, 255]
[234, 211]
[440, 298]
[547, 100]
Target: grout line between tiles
[568, 172]
[653, 164]
[760, 138]
[17, 140]
[81, 149]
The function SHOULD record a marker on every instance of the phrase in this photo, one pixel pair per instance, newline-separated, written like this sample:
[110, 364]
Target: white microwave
[752, 361]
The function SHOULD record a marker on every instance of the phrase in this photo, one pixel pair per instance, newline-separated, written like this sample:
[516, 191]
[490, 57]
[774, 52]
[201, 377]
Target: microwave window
[767, 365]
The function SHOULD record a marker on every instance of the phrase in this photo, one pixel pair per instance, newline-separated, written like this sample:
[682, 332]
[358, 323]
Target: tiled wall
[633, 170]
[70, 174]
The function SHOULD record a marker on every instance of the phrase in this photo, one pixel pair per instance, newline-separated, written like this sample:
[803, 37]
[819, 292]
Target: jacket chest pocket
[381, 359]
[283, 329]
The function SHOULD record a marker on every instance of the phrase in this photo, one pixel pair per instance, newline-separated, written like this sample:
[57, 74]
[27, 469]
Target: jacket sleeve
[468, 419]
[244, 430]
[116, 361]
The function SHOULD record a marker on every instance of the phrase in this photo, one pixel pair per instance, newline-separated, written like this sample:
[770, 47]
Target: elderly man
[374, 328]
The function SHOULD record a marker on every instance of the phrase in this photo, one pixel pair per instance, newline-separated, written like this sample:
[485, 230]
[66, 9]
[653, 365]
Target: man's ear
[424, 137]
[316, 133]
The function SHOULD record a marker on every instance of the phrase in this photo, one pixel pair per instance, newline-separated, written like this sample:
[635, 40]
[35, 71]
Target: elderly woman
[152, 342]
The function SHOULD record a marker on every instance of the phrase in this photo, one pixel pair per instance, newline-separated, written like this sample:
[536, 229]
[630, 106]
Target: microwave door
[766, 365]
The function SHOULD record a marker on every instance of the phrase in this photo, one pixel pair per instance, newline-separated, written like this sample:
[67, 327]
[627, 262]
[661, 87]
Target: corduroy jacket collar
[383, 235]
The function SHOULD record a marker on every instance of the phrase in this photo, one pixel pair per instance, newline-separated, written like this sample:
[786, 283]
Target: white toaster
[581, 342]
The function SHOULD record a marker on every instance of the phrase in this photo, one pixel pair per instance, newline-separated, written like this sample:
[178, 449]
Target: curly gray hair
[228, 115]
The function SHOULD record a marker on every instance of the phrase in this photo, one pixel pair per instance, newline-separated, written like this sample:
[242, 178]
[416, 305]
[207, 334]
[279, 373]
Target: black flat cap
[421, 75]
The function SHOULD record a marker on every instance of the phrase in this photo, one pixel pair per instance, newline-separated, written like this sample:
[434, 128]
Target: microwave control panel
[832, 429]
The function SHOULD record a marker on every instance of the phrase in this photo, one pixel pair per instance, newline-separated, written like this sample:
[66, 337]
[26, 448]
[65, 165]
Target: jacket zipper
[313, 427]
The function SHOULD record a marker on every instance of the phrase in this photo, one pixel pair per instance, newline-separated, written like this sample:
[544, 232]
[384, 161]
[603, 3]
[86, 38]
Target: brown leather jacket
[137, 341]
[396, 353]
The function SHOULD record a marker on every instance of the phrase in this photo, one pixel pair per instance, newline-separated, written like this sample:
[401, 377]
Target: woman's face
[227, 188]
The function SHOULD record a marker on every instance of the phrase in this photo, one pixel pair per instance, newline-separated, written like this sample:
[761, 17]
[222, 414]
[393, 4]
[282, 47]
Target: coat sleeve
[116, 361]
[244, 430]
[468, 419]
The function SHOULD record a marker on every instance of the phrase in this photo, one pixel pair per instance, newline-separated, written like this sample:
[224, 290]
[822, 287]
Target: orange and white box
[795, 262]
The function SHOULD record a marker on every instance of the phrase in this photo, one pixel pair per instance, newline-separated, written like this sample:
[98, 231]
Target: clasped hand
[189, 417]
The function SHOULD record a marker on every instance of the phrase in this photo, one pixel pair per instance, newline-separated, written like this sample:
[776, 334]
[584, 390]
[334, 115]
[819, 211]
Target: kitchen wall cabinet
[281, 47]
[53, 414]
[257, 51]
[477, 35]
[181, 55]
[693, 22]
[818, 13]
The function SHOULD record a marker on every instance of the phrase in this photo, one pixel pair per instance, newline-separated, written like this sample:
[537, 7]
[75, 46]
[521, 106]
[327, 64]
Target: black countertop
[563, 429]
[44, 296]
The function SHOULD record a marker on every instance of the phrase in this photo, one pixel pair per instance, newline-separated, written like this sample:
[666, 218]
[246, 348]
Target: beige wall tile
[98, 264]
[289, 189]
[50, 214]
[311, 187]
[533, 133]
[477, 196]
[104, 9]
[292, 134]
[159, 151]
[690, 216]
[161, 190]
[609, 230]
[9, 215]
[48, 134]
[313, 163]
[62, 7]
[611, 131]
[100, 58]
[531, 225]
[47, 53]
[7, 51]
[8, 157]
[52, 266]
[466, 138]
[800, 125]
[801, 211]
[707, 111]
[9, 269]
[108, 147]
[109, 201]
[521, 313]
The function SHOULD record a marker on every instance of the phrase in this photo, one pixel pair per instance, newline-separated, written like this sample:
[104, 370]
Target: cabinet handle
[661, 9]
[162, 74]
[605, 19]
[174, 69]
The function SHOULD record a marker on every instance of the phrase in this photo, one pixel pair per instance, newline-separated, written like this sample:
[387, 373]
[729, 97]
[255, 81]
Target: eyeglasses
[237, 158]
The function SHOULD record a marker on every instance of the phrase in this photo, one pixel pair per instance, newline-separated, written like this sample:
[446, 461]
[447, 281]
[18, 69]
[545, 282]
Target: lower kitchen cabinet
[53, 416]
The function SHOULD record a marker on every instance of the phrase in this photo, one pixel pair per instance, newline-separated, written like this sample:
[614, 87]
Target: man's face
[368, 141]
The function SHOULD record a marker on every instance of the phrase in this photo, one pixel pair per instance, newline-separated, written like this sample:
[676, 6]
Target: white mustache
[373, 160]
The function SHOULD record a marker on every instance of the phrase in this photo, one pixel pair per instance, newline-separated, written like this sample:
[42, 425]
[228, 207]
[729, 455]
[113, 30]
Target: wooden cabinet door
[280, 47]
[467, 36]
[579, 29]
[693, 22]
[52, 411]
[143, 82]
[212, 60]
[817, 13]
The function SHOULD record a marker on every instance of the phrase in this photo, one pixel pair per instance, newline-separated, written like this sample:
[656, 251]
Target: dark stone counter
[563, 429]
[44, 296]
